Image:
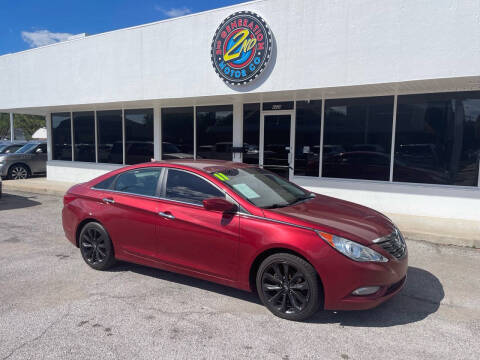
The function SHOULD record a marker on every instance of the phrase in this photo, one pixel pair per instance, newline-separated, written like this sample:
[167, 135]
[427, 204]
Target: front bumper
[341, 280]
[3, 170]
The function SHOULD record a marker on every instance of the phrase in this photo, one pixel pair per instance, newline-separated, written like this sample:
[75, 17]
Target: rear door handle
[108, 201]
[166, 215]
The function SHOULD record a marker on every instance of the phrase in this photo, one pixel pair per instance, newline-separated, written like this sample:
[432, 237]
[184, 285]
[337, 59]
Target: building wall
[320, 44]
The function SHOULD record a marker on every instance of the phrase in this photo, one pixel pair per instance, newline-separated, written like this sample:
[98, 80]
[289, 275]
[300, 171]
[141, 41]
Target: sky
[25, 24]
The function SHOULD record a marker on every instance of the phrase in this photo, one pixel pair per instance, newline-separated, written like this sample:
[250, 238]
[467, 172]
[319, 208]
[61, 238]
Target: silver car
[30, 159]
[8, 147]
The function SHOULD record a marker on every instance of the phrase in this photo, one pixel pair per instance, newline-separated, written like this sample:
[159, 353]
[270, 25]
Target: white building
[373, 101]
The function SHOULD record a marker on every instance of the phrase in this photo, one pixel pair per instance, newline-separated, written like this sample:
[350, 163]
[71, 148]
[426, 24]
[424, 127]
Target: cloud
[174, 12]
[43, 37]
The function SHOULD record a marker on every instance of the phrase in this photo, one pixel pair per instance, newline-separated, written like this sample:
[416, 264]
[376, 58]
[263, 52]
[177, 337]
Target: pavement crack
[38, 337]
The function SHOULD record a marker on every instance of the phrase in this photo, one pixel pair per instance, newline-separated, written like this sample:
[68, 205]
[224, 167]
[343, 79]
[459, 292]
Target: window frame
[98, 135]
[75, 132]
[163, 187]
[70, 134]
[157, 187]
[160, 192]
[111, 188]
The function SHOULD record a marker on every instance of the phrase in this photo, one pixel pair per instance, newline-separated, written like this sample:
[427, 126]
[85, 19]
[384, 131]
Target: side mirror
[219, 204]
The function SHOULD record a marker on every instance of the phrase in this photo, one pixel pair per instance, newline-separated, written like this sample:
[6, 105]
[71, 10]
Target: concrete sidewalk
[436, 230]
[38, 185]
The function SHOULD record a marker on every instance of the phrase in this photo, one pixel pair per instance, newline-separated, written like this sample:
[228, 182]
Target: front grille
[394, 244]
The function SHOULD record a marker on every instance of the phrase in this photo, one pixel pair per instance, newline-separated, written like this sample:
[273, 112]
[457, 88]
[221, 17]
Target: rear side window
[140, 182]
[189, 188]
[12, 149]
[105, 184]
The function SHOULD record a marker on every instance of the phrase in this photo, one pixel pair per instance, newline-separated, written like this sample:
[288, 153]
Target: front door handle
[108, 201]
[166, 215]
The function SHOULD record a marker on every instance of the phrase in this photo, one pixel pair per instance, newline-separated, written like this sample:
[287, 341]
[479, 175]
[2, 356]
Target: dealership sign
[241, 48]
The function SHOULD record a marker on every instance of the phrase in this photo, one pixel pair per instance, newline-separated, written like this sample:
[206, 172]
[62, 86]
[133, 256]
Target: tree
[25, 125]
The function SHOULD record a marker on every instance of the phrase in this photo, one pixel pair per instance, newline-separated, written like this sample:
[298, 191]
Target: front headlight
[352, 249]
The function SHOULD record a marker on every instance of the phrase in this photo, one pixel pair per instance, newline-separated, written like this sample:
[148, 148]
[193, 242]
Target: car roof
[205, 165]
[14, 142]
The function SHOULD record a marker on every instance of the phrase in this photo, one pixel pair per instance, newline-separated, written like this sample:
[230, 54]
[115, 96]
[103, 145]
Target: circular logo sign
[241, 48]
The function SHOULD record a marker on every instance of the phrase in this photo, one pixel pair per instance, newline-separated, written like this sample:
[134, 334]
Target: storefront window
[138, 136]
[177, 133]
[438, 139]
[28, 127]
[357, 138]
[215, 132]
[61, 137]
[4, 126]
[84, 136]
[251, 133]
[109, 130]
[307, 137]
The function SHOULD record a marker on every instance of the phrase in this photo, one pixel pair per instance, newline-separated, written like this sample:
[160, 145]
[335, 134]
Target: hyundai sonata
[241, 226]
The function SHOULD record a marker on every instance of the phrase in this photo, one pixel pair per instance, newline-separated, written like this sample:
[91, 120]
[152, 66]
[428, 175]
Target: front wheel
[96, 246]
[18, 172]
[288, 286]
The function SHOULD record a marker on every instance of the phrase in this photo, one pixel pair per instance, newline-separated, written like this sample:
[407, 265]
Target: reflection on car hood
[339, 217]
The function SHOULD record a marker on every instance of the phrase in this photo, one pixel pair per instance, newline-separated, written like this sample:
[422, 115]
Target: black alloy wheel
[96, 246]
[288, 286]
[18, 172]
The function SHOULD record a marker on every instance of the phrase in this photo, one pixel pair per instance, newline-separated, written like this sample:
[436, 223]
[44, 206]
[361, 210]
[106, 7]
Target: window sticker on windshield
[246, 190]
[221, 176]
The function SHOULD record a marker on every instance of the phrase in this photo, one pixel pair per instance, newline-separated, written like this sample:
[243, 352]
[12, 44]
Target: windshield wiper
[276, 206]
[302, 198]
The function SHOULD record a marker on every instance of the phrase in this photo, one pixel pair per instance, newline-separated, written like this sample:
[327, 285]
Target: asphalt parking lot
[53, 306]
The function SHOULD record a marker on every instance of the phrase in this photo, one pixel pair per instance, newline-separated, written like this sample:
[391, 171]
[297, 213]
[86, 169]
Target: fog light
[367, 290]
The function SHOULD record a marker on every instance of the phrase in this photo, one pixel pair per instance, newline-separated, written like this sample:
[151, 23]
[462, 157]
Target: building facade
[372, 101]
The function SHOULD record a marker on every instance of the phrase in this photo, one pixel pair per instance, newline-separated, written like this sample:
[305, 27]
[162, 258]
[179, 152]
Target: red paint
[222, 247]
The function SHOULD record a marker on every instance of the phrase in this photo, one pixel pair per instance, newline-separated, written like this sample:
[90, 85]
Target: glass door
[276, 144]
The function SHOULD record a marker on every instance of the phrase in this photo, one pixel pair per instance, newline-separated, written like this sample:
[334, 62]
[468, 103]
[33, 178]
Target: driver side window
[41, 149]
[186, 187]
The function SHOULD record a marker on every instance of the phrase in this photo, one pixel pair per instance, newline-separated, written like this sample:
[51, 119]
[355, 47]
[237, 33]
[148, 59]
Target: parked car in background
[8, 147]
[241, 226]
[30, 159]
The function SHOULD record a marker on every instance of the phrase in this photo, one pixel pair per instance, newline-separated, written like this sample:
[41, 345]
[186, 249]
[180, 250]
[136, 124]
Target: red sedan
[241, 226]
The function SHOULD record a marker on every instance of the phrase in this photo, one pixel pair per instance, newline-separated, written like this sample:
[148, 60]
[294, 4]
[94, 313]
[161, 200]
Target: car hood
[339, 217]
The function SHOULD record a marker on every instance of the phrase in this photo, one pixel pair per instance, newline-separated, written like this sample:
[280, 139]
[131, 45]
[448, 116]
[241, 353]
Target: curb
[38, 189]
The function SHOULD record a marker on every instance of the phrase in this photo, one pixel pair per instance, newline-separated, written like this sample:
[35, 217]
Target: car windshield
[262, 188]
[25, 148]
[2, 147]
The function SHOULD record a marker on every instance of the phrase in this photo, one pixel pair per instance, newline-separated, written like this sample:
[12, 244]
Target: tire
[289, 286]
[18, 172]
[96, 247]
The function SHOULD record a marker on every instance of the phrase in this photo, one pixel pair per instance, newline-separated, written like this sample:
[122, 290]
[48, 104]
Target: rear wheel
[18, 171]
[96, 246]
[288, 286]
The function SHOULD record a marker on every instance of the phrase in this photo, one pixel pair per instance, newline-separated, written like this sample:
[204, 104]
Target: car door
[38, 159]
[193, 237]
[130, 212]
